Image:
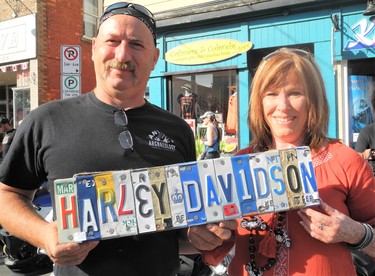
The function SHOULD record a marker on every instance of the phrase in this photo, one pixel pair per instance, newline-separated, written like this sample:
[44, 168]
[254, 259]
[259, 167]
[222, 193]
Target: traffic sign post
[70, 71]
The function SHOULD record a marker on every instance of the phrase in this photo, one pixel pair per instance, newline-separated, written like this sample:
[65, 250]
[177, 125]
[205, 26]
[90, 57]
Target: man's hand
[210, 236]
[66, 254]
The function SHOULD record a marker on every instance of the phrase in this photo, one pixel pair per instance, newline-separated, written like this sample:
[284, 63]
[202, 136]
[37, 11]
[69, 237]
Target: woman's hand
[330, 225]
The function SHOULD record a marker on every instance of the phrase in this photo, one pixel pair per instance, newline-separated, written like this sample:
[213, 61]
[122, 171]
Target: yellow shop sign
[206, 51]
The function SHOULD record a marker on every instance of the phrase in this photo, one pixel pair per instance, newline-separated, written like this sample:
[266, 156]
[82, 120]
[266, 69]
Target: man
[365, 144]
[111, 128]
[7, 129]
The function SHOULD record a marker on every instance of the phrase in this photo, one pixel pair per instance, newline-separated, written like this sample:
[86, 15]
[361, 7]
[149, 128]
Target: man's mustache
[121, 65]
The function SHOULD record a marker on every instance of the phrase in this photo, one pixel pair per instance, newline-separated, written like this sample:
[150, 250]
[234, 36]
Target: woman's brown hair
[271, 73]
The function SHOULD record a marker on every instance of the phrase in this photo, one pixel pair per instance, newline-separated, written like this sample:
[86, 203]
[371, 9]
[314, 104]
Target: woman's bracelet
[369, 235]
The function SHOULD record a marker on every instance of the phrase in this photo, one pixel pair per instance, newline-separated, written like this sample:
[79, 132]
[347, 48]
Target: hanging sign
[206, 51]
[363, 36]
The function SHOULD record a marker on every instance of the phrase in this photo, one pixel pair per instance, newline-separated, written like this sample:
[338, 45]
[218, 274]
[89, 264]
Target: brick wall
[60, 22]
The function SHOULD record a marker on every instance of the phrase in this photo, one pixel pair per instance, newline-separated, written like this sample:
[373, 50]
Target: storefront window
[194, 94]
[360, 89]
[21, 101]
[6, 102]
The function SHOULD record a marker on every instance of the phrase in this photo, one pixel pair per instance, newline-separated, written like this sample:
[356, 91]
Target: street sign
[70, 59]
[70, 86]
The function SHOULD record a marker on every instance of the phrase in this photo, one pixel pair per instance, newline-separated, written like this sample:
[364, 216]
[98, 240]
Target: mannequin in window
[232, 120]
[188, 102]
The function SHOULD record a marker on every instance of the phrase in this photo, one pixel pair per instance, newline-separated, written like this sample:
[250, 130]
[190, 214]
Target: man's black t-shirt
[65, 137]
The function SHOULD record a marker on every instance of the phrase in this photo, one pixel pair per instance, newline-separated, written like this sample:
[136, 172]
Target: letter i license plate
[244, 182]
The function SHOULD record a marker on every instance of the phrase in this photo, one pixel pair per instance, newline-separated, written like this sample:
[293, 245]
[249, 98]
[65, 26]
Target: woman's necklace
[275, 237]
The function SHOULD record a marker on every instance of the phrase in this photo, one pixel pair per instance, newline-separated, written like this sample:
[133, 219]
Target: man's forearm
[18, 216]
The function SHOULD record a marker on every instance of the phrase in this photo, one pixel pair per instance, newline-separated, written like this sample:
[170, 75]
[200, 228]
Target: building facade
[32, 39]
[209, 53]
[216, 50]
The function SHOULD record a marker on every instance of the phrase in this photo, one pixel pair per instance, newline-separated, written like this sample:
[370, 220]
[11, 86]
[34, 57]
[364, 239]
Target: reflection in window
[91, 10]
[21, 104]
[194, 94]
[6, 101]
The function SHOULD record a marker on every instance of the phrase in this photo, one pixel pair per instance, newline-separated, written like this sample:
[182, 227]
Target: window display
[361, 81]
[192, 95]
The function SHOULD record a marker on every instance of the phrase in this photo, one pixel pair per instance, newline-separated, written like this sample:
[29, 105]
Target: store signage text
[206, 51]
[364, 36]
[10, 39]
[17, 39]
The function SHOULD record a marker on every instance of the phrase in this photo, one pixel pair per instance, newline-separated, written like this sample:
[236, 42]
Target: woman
[288, 108]
[211, 140]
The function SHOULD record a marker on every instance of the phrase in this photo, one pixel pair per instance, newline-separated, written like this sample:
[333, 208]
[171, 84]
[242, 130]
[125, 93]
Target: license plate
[88, 208]
[244, 182]
[310, 187]
[195, 212]
[143, 201]
[211, 198]
[162, 210]
[227, 187]
[106, 200]
[176, 196]
[293, 184]
[127, 221]
[65, 193]
[258, 167]
[276, 181]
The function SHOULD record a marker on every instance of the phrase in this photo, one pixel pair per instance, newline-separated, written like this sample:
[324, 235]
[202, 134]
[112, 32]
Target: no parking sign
[70, 59]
